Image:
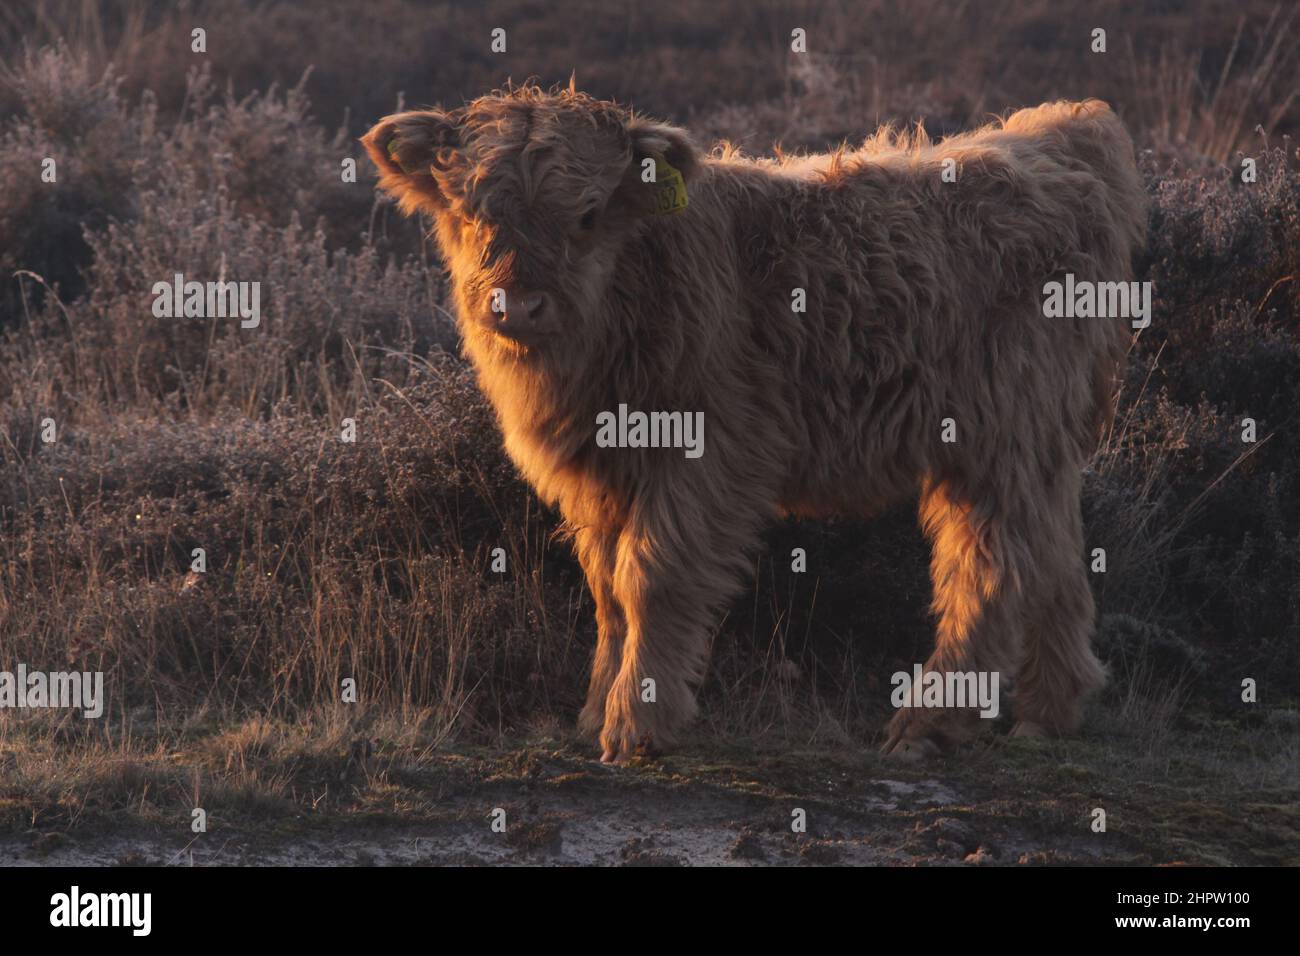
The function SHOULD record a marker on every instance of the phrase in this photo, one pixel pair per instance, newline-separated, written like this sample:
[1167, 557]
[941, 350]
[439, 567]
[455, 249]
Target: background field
[370, 560]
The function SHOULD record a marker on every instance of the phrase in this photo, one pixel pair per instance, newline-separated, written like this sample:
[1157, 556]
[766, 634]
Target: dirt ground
[1007, 803]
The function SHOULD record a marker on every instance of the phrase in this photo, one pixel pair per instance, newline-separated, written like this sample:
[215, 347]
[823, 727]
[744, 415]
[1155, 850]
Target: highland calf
[855, 327]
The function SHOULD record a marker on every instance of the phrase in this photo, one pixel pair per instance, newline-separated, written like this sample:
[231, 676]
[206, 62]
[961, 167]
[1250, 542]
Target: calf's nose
[525, 312]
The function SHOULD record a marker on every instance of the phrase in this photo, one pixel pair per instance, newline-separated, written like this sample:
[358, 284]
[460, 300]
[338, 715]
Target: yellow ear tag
[670, 196]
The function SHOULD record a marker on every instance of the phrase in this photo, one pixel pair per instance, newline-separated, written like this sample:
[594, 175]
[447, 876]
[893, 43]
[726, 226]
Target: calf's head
[533, 195]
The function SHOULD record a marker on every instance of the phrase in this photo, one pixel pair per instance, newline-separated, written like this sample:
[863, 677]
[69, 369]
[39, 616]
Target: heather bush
[1210, 522]
[271, 160]
[324, 559]
[56, 108]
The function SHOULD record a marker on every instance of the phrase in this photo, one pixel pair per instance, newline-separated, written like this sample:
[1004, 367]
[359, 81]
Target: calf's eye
[588, 219]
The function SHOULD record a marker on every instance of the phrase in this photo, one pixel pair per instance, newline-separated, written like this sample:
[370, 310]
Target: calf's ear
[637, 194]
[411, 151]
[661, 141]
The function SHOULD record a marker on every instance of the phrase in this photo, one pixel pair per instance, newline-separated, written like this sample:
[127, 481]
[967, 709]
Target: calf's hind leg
[1058, 668]
[976, 565]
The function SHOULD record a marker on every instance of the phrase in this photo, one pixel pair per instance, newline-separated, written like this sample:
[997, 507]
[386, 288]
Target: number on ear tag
[671, 186]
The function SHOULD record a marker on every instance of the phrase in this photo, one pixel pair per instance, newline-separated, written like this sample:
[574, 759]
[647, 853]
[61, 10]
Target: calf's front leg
[596, 548]
[680, 558]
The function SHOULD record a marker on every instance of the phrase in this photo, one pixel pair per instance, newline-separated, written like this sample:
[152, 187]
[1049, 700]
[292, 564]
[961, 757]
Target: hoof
[915, 735]
[623, 755]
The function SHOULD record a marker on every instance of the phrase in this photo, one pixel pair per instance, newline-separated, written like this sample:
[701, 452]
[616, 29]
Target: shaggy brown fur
[924, 302]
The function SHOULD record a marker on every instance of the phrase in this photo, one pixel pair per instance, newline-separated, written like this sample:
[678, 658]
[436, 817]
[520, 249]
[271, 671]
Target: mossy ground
[1220, 792]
